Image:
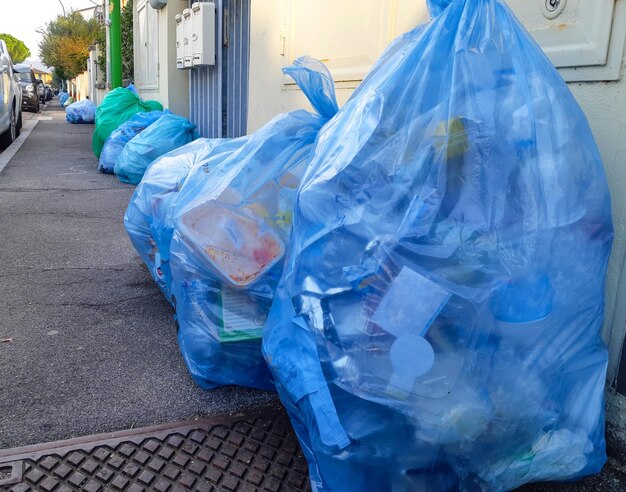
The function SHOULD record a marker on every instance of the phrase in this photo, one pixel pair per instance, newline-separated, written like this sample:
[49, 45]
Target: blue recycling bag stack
[81, 112]
[232, 221]
[123, 134]
[63, 96]
[148, 219]
[437, 325]
[167, 133]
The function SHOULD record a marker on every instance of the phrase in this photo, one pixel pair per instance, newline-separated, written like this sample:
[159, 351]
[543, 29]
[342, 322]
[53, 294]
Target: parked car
[10, 99]
[48, 90]
[28, 81]
[41, 91]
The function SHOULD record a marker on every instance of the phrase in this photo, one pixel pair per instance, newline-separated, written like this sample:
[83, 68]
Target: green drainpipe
[116, 45]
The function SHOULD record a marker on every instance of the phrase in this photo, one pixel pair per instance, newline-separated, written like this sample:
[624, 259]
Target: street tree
[65, 44]
[17, 49]
[126, 20]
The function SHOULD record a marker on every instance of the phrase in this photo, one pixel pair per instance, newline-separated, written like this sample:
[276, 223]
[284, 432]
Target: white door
[347, 35]
[146, 47]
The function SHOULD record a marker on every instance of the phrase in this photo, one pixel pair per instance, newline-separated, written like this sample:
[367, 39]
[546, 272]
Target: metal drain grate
[254, 453]
[78, 133]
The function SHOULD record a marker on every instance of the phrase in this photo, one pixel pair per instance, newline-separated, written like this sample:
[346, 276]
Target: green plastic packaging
[118, 106]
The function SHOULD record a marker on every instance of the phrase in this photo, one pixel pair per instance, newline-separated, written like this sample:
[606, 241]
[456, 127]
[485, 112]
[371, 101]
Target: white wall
[272, 46]
[172, 86]
[605, 107]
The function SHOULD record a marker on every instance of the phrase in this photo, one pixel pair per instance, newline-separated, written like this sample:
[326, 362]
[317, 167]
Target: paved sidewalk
[88, 342]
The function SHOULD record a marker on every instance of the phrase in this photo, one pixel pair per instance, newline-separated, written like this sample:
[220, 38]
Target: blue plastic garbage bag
[231, 234]
[167, 133]
[133, 89]
[124, 133]
[437, 325]
[63, 96]
[148, 218]
[81, 112]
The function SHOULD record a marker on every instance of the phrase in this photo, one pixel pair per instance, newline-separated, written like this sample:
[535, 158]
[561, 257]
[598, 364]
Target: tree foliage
[65, 44]
[128, 61]
[17, 49]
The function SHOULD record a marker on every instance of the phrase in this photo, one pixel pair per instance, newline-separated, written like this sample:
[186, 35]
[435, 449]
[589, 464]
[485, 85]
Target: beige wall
[282, 30]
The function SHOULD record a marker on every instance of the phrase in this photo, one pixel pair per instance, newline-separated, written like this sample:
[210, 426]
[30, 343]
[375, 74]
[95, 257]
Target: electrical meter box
[187, 53]
[180, 54]
[203, 33]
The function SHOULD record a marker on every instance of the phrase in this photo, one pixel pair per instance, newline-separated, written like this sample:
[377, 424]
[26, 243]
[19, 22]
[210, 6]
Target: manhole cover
[253, 452]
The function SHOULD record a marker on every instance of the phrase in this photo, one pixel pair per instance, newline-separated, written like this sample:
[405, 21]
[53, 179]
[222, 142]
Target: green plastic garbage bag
[118, 106]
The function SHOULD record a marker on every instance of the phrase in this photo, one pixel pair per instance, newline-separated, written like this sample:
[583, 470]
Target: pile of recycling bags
[148, 218]
[131, 133]
[123, 134]
[118, 106]
[63, 97]
[81, 112]
[419, 274]
[167, 133]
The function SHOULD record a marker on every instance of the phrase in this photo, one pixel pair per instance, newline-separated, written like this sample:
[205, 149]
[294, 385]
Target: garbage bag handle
[315, 80]
[435, 7]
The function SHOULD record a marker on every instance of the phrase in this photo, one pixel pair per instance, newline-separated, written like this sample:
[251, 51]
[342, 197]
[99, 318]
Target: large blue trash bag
[437, 325]
[167, 133]
[63, 96]
[123, 134]
[81, 112]
[231, 234]
[148, 218]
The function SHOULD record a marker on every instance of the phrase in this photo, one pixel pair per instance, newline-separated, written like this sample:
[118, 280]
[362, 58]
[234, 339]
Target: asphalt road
[87, 342]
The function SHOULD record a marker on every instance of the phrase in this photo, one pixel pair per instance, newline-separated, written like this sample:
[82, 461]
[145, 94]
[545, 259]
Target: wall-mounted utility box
[187, 29]
[583, 38]
[203, 33]
[180, 52]
[157, 4]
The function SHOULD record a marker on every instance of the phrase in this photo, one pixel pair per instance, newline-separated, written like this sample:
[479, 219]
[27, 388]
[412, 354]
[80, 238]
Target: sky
[22, 18]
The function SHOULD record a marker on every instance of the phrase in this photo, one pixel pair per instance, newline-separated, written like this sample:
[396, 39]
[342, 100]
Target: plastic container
[237, 246]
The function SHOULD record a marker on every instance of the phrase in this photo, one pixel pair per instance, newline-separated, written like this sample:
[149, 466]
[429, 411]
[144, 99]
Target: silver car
[10, 99]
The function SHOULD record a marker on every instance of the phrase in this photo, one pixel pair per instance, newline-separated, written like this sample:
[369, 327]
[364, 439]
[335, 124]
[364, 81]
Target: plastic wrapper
[231, 233]
[63, 96]
[117, 107]
[148, 218]
[167, 133]
[122, 135]
[81, 112]
[437, 325]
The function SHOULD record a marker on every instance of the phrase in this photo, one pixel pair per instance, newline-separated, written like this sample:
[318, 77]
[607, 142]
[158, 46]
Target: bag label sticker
[410, 305]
